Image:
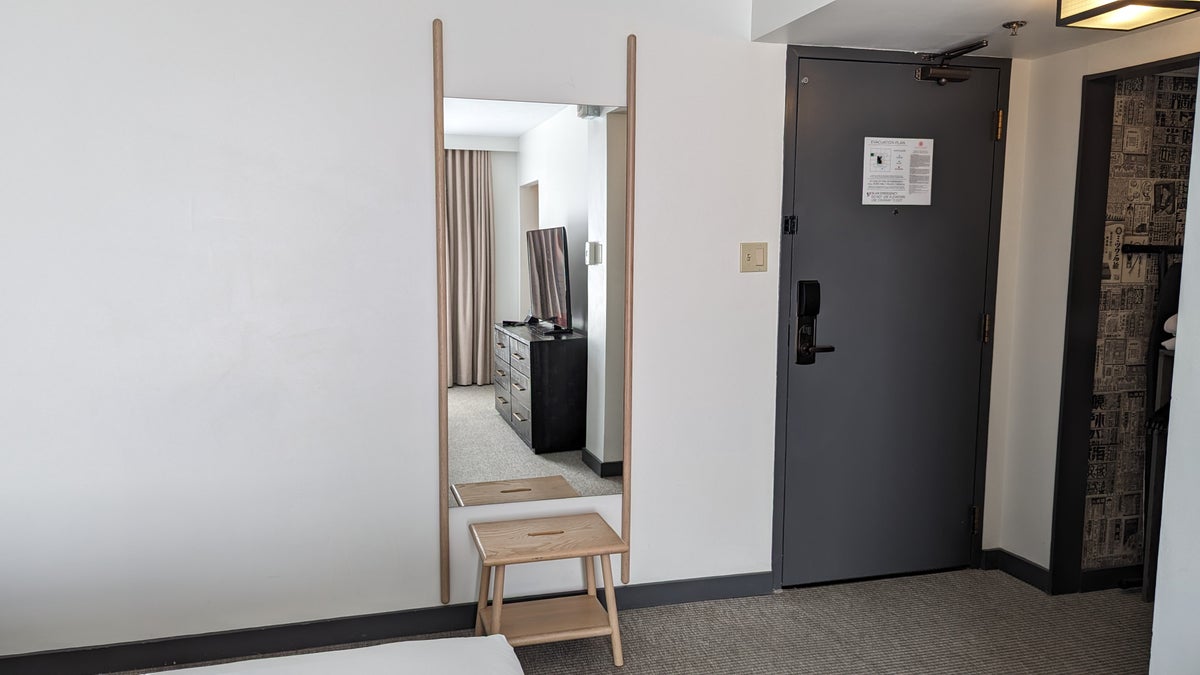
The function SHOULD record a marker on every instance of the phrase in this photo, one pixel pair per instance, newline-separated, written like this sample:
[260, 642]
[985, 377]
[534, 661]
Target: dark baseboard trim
[602, 469]
[234, 644]
[1014, 565]
[694, 590]
[1105, 579]
[193, 649]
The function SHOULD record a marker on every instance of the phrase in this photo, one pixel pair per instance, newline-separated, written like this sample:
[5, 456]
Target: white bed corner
[448, 656]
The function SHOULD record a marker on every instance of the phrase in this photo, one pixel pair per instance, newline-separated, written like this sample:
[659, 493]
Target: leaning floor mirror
[534, 218]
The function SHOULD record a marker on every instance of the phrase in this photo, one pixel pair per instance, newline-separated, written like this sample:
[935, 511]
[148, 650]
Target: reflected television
[549, 285]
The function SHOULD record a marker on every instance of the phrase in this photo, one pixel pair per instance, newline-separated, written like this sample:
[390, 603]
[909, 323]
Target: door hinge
[999, 120]
[985, 327]
[789, 224]
[974, 516]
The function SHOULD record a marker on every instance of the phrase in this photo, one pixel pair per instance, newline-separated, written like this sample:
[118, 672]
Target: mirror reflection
[535, 299]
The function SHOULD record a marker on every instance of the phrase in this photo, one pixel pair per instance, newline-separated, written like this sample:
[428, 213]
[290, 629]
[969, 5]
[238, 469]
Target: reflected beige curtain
[470, 249]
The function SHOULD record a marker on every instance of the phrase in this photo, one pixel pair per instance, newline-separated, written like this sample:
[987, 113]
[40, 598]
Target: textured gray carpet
[484, 448]
[966, 622]
[954, 623]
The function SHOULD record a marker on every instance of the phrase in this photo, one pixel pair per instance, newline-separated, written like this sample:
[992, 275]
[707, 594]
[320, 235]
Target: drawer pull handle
[518, 387]
[518, 357]
[545, 534]
[520, 418]
[499, 345]
[504, 492]
[502, 400]
[500, 372]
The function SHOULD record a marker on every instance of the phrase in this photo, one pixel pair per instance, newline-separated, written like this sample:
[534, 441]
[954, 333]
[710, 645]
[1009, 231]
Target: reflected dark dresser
[540, 383]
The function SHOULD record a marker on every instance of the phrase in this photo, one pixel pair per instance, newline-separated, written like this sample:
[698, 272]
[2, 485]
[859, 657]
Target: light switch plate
[752, 256]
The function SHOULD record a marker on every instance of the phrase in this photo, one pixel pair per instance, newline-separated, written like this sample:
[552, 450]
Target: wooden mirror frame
[439, 164]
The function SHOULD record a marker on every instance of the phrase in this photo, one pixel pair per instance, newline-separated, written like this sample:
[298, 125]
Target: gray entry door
[882, 434]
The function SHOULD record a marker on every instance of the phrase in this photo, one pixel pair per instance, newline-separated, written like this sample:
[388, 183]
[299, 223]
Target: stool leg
[610, 599]
[497, 599]
[485, 580]
[589, 573]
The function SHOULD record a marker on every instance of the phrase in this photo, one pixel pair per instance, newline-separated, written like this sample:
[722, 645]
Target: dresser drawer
[518, 386]
[519, 358]
[522, 422]
[503, 405]
[500, 345]
[500, 371]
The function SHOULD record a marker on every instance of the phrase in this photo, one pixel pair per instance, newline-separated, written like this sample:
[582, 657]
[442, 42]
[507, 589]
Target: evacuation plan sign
[898, 171]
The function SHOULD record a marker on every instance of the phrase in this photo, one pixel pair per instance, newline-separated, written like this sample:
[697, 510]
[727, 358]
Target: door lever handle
[817, 349]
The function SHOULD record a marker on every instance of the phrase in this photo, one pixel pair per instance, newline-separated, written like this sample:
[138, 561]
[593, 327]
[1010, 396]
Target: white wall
[219, 394]
[1004, 324]
[527, 206]
[606, 286]
[616, 137]
[554, 154]
[1175, 648]
[214, 256]
[598, 317]
[1035, 257]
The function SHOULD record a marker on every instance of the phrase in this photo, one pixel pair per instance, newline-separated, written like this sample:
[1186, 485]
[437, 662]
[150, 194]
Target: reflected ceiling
[505, 119]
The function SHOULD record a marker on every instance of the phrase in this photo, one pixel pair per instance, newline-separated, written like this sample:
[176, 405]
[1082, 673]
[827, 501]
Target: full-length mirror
[535, 299]
[563, 285]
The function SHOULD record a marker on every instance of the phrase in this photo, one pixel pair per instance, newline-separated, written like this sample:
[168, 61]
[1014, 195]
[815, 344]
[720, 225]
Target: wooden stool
[509, 491]
[538, 621]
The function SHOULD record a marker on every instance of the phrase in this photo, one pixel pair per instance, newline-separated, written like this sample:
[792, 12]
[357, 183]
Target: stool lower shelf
[534, 622]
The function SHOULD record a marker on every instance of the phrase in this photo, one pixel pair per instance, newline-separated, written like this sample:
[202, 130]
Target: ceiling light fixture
[1121, 14]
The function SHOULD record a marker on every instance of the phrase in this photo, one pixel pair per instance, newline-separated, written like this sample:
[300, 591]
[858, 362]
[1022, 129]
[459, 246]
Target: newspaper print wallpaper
[1147, 193]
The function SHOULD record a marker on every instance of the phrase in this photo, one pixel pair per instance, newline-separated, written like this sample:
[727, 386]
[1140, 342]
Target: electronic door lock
[808, 305]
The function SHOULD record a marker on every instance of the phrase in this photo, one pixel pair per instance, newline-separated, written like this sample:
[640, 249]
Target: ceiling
[937, 25]
[503, 119]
